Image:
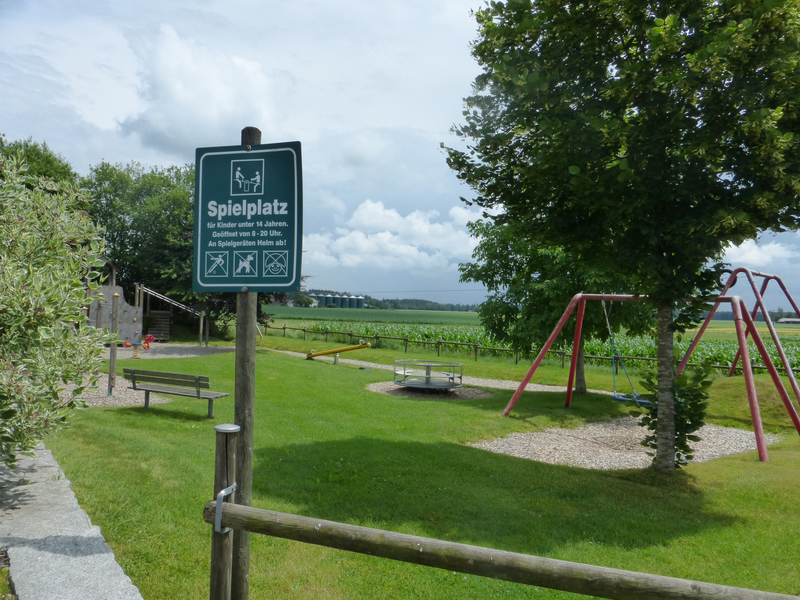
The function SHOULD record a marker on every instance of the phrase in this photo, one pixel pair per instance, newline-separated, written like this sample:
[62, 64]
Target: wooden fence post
[476, 352]
[439, 347]
[377, 337]
[222, 543]
[406, 343]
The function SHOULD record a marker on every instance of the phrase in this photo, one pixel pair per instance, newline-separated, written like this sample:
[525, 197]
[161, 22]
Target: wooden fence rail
[602, 582]
[477, 348]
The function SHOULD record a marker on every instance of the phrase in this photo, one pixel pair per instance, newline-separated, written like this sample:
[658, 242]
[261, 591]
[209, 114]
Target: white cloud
[461, 215]
[197, 96]
[752, 254]
[369, 89]
[380, 237]
[80, 62]
[327, 202]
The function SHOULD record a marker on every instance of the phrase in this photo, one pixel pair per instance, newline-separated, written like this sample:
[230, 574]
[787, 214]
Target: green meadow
[327, 447]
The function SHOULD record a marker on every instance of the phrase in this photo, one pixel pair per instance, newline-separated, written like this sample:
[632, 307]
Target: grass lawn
[326, 447]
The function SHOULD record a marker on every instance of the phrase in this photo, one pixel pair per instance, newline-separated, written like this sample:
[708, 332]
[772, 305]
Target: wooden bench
[178, 384]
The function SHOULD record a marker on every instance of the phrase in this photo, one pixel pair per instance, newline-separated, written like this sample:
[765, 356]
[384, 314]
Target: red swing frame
[745, 326]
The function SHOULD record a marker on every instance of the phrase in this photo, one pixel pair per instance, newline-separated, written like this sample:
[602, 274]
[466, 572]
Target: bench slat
[167, 378]
[171, 381]
[177, 391]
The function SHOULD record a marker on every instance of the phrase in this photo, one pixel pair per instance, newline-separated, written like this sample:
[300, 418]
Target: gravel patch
[392, 389]
[614, 444]
[124, 394]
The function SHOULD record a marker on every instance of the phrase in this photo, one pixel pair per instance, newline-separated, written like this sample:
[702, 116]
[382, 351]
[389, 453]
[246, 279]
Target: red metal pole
[728, 284]
[773, 373]
[556, 331]
[752, 397]
[770, 326]
[696, 339]
[776, 340]
[573, 361]
[788, 296]
[542, 353]
[759, 304]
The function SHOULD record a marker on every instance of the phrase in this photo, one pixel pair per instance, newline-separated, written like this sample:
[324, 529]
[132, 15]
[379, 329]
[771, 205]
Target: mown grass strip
[326, 447]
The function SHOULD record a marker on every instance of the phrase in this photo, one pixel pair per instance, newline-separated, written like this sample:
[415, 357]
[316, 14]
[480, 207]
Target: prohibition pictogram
[245, 263]
[216, 263]
[276, 264]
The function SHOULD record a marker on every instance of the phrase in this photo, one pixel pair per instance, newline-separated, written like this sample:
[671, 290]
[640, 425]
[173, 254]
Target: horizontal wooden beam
[578, 578]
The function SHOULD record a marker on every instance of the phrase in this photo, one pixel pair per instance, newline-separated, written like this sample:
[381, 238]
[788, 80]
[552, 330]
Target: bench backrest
[140, 376]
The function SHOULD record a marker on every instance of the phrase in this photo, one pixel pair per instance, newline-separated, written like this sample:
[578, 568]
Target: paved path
[172, 351]
[55, 551]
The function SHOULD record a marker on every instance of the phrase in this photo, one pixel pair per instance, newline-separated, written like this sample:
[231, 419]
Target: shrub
[48, 253]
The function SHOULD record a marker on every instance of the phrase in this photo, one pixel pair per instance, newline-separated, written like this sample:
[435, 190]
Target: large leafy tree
[643, 137]
[40, 159]
[50, 253]
[531, 284]
[148, 218]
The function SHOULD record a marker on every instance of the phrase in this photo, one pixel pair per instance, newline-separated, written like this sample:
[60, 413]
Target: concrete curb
[55, 551]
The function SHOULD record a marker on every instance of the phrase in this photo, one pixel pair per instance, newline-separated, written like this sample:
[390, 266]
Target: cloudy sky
[369, 88]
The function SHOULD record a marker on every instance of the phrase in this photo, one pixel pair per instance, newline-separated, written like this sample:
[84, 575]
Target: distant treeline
[414, 304]
[775, 315]
[398, 304]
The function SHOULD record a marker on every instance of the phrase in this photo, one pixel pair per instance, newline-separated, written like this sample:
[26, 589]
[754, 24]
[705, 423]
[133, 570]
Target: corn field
[717, 352]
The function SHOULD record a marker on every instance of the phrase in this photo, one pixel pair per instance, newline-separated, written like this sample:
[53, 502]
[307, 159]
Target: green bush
[691, 406]
[48, 253]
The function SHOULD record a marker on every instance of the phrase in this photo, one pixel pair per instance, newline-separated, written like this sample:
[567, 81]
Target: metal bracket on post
[220, 497]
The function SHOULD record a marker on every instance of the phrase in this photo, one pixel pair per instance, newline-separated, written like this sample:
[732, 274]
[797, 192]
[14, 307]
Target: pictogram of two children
[255, 181]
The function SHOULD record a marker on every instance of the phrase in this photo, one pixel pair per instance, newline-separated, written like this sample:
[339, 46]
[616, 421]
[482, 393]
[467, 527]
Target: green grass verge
[5, 585]
[326, 447]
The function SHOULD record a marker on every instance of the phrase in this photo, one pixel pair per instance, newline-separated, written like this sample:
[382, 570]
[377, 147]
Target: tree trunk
[580, 373]
[665, 432]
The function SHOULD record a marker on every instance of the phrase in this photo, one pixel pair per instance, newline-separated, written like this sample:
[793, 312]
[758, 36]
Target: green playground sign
[248, 218]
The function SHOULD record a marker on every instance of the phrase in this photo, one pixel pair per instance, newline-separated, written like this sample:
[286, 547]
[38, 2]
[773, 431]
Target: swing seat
[632, 398]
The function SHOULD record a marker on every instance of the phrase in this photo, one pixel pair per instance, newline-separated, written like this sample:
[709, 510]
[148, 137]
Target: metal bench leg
[146, 399]
[210, 408]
